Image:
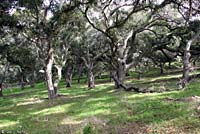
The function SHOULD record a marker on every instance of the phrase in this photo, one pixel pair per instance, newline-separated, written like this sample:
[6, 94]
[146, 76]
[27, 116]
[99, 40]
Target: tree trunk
[118, 76]
[3, 79]
[110, 76]
[68, 76]
[48, 72]
[58, 78]
[118, 79]
[186, 65]
[139, 75]
[80, 70]
[91, 83]
[161, 68]
[1, 90]
[139, 72]
[32, 84]
[186, 61]
[169, 65]
[22, 82]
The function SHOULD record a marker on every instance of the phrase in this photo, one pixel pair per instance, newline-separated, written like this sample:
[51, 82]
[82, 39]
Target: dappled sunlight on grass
[7, 123]
[30, 101]
[70, 121]
[164, 77]
[53, 110]
[93, 112]
[78, 104]
[6, 113]
[101, 85]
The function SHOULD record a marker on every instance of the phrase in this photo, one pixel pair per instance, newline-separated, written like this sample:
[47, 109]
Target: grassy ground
[101, 110]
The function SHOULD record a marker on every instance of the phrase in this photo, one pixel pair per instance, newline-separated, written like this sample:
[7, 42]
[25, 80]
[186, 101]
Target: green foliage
[88, 129]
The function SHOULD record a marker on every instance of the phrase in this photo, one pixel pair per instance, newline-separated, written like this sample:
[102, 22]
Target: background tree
[115, 21]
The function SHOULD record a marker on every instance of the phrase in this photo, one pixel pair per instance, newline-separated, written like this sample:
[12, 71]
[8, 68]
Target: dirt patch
[191, 99]
[131, 128]
[141, 128]
[170, 129]
[96, 121]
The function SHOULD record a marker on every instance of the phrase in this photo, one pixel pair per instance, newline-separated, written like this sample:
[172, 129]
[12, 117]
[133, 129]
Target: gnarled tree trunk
[119, 76]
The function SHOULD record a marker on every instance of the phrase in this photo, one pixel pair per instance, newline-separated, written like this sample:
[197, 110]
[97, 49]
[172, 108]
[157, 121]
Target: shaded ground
[102, 110]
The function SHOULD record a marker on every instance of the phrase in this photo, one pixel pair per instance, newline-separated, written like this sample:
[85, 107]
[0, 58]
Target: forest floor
[103, 110]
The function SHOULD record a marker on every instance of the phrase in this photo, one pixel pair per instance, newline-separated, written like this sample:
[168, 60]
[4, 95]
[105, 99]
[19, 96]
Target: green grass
[100, 110]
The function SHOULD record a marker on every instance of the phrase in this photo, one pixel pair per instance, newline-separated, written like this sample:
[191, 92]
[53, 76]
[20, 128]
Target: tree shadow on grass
[72, 112]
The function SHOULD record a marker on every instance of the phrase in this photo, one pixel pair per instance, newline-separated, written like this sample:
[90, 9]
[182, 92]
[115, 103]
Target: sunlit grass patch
[30, 101]
[7, 123]
[79, 106]
[70, 121]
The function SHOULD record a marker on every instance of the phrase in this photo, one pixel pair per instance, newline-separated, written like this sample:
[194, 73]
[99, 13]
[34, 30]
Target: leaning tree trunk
[119, 75]
[1, 90]
[48, 72]
[68, 76]
[186, 65]
[119, 81]
[58, 78]
[186, 60]
[91, 83]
